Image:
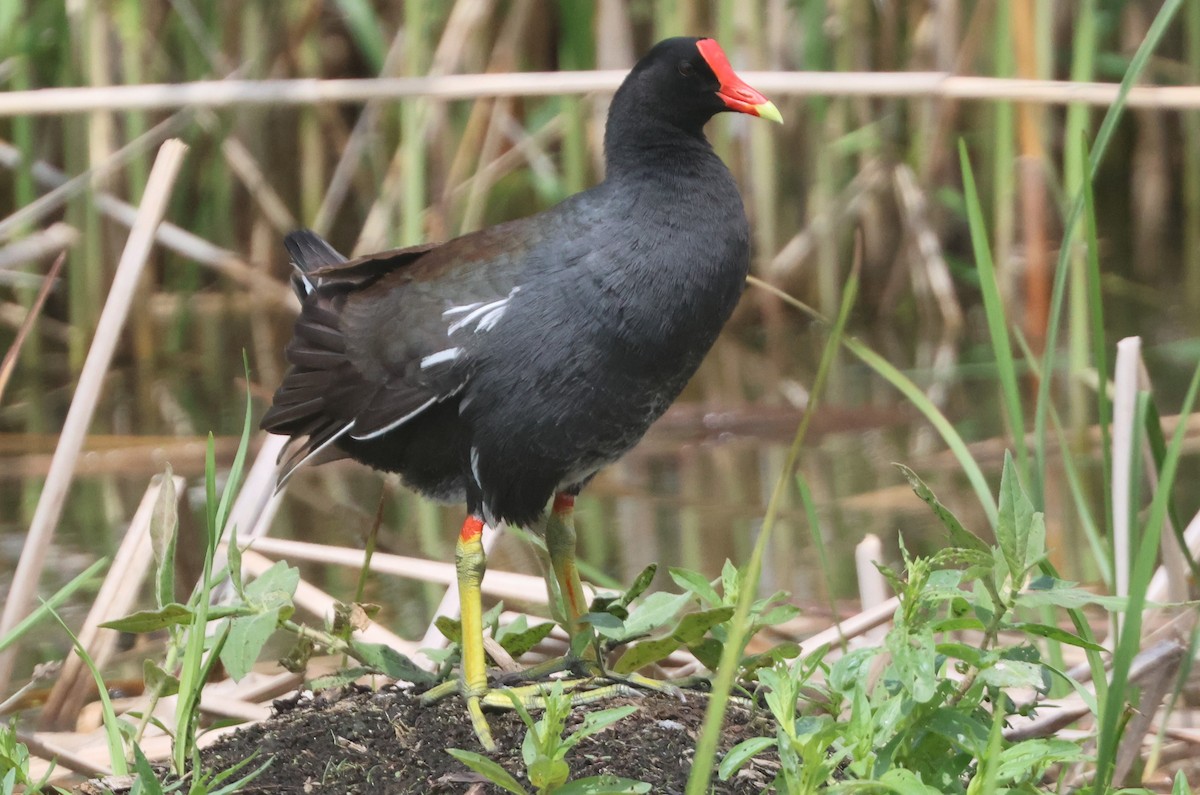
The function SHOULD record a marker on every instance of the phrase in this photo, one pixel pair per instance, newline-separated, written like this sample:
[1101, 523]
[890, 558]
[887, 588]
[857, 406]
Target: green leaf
[695, 582]
[157, 680]
[390, 662]
[1056, 633]
[694, 626]
[489, 770]
[961, 729]
[645, 653]
[247, 636]
[1058, 593]
[603, 785]
[1026, 761]
[339, 679]
[906, 782]
[548, 774]
[742, 753]
[779, 614]
[43, 610]
[1014, 673]
[708, 652]
[164, 526]
[651, 616]
[450, 628]
[146, 776]
[959, 535]
[914, 660]
[274, 588]
[596, 722]
[731, 580]
[640, 584]
[1015, 521]
[518, 643]
[170, 615]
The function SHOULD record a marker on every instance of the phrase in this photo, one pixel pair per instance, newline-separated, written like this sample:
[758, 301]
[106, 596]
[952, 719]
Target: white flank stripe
[491, 318]
[475, 465]
[486, 315]
[393, 426]
[288, 475]
[458, 310]
[448, 355]
[475, 315]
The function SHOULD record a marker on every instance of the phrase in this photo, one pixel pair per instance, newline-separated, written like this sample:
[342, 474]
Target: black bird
[506, 367]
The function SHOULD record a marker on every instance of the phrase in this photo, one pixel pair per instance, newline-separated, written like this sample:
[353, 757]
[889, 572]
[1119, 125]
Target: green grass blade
[949, 434]
[48, 606]
[366, 29]
[1143, 569]
[1108, 126]
[993, 306]
[1099, 344]
[910, 390]
[239, 458]
[818, 541]
[704, 762]
[112, 732]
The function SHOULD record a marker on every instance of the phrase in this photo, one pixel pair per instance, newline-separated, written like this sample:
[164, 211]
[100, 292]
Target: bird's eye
[686, 69]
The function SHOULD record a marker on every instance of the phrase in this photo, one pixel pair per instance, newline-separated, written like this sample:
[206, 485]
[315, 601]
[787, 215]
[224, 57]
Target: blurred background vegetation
[388, 173]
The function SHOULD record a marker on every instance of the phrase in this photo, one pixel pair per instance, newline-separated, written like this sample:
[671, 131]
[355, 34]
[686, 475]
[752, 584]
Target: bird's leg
[560, 544]
[471, 562]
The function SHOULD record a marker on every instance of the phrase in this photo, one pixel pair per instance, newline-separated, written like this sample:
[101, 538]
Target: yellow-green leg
[471, 562]
[560, 544]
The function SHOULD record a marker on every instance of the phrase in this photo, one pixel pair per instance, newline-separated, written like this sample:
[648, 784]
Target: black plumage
[514, 362]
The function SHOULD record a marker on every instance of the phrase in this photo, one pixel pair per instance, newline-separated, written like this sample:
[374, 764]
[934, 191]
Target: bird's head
[690, 80]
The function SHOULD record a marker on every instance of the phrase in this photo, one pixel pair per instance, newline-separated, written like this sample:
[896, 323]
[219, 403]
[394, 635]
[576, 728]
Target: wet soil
[386, 741]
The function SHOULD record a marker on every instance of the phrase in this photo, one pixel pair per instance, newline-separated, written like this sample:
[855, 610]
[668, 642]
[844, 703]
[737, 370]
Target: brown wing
[327, 392]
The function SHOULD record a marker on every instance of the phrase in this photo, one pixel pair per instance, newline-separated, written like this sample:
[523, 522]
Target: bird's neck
[636, 145]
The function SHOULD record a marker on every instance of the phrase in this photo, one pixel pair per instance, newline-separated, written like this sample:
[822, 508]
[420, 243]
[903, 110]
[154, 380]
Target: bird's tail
[309, 252]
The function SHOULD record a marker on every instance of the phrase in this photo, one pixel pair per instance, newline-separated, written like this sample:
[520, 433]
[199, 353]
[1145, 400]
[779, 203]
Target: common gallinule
[504, 368]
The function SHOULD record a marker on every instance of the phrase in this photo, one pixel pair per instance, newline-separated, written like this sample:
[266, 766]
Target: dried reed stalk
[87, 393]
[308, 91]
[10, 357]
[44, 205]
[1125, 389]
[38, 245]
[168, 235]
[505, 585]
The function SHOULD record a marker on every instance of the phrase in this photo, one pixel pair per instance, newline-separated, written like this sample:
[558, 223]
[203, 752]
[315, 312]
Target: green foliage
[544, 751]
[114, 727]
[205, 782]
[44, 610]
[923, 712]
[14, 765]
[201, 634]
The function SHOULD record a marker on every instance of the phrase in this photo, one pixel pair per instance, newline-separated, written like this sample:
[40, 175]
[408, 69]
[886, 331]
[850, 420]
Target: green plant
[654, 626]
[923, 712]
[14, 765]
[201, 633]
[204, 782]
[544, 751]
